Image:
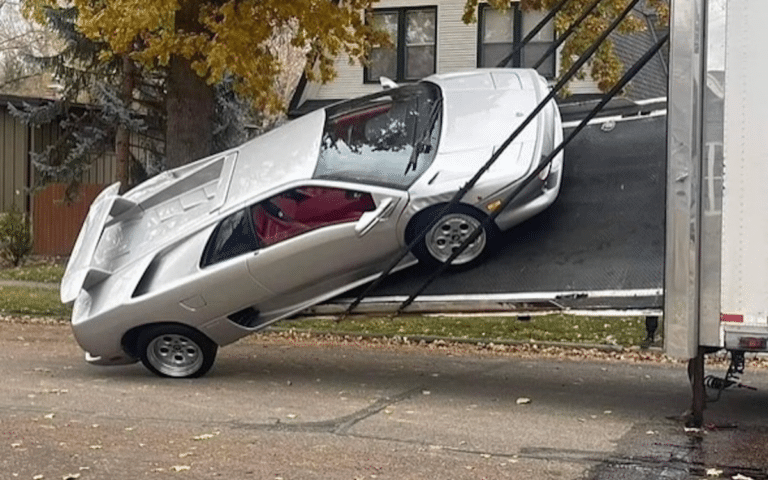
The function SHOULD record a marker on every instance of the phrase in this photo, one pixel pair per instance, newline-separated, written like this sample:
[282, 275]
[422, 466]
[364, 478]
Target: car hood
[482, 108]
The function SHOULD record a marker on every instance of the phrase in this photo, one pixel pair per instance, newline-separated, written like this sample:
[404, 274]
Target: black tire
[176, 351]
[448, 233]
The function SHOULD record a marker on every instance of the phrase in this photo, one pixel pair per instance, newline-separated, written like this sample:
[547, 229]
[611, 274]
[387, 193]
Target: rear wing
[155, 209]
[80, 272]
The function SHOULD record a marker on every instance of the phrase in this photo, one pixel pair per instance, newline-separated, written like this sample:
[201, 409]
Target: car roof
[281, 156]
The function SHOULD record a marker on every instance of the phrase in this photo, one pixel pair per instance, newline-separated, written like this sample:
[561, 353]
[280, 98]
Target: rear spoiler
[199, 185]
[81, 273]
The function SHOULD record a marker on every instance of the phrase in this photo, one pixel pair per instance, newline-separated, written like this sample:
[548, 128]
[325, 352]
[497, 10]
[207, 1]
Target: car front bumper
[534, 199]
[117, 359]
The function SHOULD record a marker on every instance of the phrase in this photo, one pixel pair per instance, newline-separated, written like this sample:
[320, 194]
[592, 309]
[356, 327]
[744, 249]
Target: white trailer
[716, 272]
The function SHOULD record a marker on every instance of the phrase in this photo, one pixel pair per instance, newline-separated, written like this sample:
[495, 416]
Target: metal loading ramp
[600, 246]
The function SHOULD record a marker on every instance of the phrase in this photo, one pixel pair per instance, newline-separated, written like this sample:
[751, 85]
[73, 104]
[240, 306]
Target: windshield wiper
[421, 145]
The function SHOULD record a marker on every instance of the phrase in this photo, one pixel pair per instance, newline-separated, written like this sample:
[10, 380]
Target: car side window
[233, 236]
[302, 209]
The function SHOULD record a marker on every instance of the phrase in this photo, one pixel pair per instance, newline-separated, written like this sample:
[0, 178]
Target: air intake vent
[247, 318]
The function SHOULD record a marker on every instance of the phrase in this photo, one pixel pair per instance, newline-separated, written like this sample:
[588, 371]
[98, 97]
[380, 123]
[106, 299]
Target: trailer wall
[744, 275]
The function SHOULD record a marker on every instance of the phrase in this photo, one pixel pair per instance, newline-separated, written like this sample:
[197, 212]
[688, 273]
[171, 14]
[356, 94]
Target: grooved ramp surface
[604, 232]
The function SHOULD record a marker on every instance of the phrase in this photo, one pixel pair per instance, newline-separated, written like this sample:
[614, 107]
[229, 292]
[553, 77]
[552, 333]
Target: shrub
[15, 236]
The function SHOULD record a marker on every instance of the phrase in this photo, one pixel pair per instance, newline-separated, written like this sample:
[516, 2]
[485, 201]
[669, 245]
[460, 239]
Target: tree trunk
[190, 109]
[123, 136]
[190, 102]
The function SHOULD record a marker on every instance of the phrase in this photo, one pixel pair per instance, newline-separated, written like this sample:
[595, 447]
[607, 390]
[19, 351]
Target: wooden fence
[14, 166]
[55, 223]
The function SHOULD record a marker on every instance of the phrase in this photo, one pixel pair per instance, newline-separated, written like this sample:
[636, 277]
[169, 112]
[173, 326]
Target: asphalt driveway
[305, 408]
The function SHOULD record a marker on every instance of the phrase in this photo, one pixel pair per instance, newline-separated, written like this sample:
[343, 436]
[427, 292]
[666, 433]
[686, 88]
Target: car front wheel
[448, 234]
[176, 351]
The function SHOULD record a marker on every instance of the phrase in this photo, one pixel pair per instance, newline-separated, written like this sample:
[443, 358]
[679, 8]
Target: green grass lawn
[620, 331]
[623, 331]
[46, 272]
[32, 301]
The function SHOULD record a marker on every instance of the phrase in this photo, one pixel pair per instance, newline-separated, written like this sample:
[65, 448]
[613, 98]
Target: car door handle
[369, 219]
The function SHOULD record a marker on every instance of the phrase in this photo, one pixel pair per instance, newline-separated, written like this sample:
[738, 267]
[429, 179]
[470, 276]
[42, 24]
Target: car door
[225, 284]
[317, 238]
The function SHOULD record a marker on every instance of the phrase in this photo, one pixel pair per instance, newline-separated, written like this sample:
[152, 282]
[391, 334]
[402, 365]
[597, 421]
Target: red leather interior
[303, 209]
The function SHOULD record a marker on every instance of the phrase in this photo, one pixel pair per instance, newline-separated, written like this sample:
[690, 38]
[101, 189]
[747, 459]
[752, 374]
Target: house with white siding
[429, 37]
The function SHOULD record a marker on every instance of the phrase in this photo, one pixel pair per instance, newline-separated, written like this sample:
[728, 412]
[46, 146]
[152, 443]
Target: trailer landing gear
[699, 383]
[698, 403]
[731, 379]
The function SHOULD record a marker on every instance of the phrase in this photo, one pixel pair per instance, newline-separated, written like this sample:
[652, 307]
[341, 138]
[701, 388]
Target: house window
[413, 32]
[500, 32]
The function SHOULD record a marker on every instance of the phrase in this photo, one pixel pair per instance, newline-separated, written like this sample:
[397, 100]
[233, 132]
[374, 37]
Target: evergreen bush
[15, 236]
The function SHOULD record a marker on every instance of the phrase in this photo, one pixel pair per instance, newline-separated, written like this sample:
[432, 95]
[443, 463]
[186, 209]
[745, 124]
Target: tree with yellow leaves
[203, 42]
[199, 44]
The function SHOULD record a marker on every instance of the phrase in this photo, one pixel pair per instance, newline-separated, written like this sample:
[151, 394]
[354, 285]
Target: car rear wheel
[447, 235]
[176, 351]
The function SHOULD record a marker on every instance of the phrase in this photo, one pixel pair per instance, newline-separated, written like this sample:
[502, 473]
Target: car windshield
[387, 139]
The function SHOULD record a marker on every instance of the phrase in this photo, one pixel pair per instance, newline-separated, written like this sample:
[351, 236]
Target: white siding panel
[456, 51]
[456, 42]
[347, 84]
[311, 91]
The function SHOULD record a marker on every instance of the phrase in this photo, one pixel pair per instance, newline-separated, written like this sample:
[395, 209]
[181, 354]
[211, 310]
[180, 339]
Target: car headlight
[545, 173]
[493, 206]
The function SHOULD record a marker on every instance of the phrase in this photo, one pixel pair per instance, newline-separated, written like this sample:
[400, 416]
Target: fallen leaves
[55, 391]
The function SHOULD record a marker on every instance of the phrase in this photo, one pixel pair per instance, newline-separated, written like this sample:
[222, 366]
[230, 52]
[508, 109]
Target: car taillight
[752, 343]
[730, 317]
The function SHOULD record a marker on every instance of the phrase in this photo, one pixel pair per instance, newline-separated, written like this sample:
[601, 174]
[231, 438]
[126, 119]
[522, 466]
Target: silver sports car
[202, 255]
